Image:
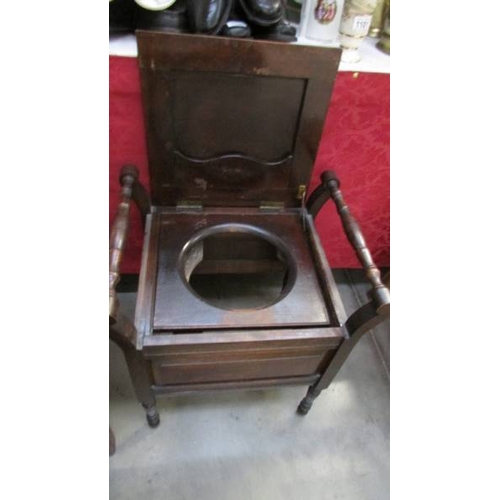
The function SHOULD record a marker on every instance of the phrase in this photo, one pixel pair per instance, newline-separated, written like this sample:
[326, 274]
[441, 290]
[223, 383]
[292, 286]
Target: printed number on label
[361, 24]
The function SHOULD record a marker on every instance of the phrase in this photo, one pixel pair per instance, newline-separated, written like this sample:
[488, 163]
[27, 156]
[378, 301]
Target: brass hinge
[189, 206]
[301, 192]
[272, 206]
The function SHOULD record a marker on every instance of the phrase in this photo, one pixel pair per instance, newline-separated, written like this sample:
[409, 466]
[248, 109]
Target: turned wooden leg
[141, 376]
[140, 373]
[152, 415]
[306, 403]
[121, 328]
[360, 322]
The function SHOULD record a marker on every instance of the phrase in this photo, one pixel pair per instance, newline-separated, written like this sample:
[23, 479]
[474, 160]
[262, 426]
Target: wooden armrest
[330, 188]
[128, 177]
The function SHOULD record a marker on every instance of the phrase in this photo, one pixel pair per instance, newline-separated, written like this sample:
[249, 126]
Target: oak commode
[233, 128]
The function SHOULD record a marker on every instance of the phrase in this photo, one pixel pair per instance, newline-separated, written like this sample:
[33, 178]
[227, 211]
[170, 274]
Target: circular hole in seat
[237, 266]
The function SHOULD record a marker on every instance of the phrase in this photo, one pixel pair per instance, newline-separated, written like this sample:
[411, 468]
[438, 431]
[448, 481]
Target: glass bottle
[354, 25]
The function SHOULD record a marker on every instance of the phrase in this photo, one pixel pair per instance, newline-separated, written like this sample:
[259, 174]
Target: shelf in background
[372, 59]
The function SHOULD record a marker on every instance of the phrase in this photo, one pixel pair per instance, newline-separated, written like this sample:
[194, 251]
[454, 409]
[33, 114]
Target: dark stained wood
[253, 369]
[232, 122]
[241, 357]
[356, 239]
[119, 230]
[177, 308]
[366, 317]
[359, 322]
[123, 333]
[233, 128]
[306, 404]
[142, 200]
[239, 266]
[121, 329]
[147, 279]
[327, 337]
[335, 305]
[244, 355]
[317, 199]
[211, 355]
[234, 385]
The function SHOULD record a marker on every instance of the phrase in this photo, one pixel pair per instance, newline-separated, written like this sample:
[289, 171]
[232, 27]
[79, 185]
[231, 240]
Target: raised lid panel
[232, 122]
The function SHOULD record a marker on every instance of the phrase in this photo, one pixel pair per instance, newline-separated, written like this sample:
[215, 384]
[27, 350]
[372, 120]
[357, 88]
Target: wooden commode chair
[234, 290]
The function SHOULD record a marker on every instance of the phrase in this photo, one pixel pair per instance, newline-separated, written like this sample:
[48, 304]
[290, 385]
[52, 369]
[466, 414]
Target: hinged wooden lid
[232, 122]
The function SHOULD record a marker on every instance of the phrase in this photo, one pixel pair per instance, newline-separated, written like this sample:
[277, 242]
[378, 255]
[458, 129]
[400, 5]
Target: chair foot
[306, 404]
[152, 415]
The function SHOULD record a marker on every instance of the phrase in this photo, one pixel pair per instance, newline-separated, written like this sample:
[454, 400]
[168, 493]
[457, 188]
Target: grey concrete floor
[251, 445]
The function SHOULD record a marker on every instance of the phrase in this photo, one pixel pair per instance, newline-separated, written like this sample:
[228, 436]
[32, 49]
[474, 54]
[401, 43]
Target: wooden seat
[236, 244]
[233, 128]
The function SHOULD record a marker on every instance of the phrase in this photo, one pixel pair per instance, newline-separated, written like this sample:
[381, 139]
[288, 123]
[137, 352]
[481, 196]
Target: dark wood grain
[176, 307]
[121, 329]
[233, 385]
[380, 292]
[317, 199]
[118, 236]
[147, 278]
[246, 369]
[124, 334]
[232, 128]
[232, 122]
[367, 316]
[335, 305]
[360, 322]
[159, 344]
[142, 200]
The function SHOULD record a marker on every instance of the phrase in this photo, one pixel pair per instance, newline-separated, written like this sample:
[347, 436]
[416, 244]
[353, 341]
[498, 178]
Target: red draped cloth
[355, 143]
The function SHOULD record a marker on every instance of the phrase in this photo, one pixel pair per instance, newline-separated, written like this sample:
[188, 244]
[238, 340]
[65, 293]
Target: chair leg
[360, 322]
[152, 415]
[122, 332]
[140, 373]
[306, 403]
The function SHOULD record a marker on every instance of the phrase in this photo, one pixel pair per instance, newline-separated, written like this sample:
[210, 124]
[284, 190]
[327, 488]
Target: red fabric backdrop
[355, 144]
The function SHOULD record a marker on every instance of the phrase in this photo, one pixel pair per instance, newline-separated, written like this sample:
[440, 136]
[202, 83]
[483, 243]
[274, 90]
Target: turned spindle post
[353, 232]
[128, 176]
[366, 317]
[122, 330]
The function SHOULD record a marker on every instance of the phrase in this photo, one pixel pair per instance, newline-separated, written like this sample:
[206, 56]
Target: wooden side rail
[128, 177]
[121, 329]
[317, 199]
[330, 188]
[365, 317]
